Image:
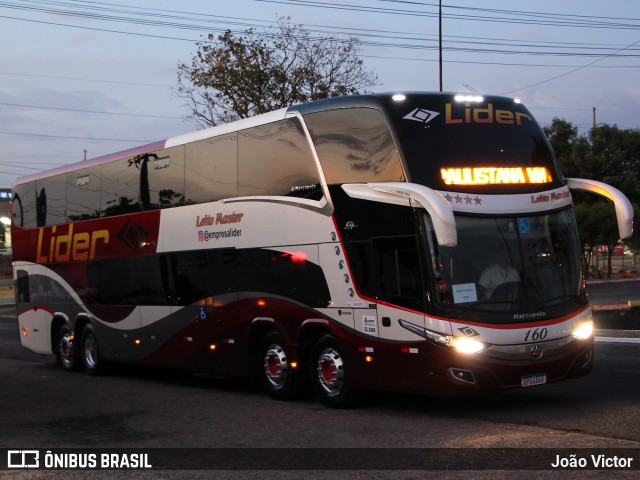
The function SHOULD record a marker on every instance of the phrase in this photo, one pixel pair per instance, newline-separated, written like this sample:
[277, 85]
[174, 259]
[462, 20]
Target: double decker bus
[421, 243]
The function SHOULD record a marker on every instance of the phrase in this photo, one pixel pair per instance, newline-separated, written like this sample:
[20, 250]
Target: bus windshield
[528, 263]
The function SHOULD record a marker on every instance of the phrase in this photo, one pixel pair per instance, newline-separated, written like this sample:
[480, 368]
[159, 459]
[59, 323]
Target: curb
[614, 306]
[612, 333]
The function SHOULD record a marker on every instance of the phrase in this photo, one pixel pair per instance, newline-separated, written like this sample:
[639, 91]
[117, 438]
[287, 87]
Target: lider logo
[54, 246]
[485, 115]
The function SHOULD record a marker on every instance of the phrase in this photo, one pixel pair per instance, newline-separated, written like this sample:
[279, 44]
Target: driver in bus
[497, 273]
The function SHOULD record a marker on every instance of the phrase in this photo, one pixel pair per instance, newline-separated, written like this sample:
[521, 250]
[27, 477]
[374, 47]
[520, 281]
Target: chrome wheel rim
[276, 367]
[65, 348]
[90, 350]
[330, 371]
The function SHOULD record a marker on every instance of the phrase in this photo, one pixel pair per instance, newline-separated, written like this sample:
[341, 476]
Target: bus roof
[171, 142]
[349, 101]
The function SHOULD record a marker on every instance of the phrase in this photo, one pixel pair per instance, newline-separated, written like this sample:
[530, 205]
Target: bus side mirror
[624, 209]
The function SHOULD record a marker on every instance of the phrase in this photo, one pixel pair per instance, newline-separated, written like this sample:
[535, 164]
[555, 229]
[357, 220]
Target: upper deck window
[211, 169]
[354, 145]
[275, 159]
[83, 194]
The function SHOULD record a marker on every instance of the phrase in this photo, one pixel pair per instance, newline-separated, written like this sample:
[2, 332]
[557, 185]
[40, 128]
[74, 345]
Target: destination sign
[495, 175]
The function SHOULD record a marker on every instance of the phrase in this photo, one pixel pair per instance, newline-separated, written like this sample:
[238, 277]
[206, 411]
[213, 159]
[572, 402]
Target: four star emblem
[467, 199]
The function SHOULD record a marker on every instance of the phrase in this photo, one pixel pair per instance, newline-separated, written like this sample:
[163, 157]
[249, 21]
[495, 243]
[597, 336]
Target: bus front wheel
[89, 351]
[331, 382]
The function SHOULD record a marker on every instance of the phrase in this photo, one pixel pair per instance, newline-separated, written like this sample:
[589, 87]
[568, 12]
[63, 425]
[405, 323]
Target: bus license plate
[531, 380]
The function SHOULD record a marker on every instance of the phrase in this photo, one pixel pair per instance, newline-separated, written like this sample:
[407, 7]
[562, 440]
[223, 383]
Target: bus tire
[277, 378]
[67, 355]
[330, 375]
[89, 351]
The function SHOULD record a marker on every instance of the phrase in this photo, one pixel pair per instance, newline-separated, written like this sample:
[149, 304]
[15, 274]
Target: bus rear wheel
[89, 351]
[277, 377]
[330, 376]
[66, 351]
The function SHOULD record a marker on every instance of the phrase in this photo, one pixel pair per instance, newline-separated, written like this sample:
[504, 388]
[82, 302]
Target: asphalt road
[613, 292]
[42, 406]
[45, 407]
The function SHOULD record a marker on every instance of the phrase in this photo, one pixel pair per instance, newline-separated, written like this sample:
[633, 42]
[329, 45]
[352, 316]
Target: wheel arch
[309, 333]
[259, 328]
[82, 319]
[58, 320]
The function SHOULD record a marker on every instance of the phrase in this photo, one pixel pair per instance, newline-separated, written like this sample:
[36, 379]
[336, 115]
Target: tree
[572, 150]
[562, 135]
[608, 154]
[597, 226]
[617, 152]
[240, 75]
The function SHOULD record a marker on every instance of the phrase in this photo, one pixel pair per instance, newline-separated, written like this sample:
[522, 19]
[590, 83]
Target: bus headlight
[460, 344]
[467, 345]
[584, 331]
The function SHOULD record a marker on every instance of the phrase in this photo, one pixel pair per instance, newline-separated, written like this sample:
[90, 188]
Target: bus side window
[128, 281]
[16, 210]
[165, 178]
[275, 159]
[398, 271]
[83, 194]
[51, 200]
[191, 277]
[211, 169]
[223, 271]
[24, 205]
[120, 188]
[22, 285]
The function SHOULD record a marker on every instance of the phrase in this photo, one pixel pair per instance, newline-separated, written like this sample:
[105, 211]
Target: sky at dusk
[81, 78]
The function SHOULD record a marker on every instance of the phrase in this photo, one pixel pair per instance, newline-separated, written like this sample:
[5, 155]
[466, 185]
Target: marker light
[584, 331]
[398, 97]
[468, 98]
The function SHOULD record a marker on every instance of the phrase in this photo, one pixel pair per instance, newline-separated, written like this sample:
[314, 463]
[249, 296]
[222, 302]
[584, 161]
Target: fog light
[463, 375]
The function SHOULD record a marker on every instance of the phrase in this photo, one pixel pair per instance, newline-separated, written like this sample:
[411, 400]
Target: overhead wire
[198, 22]
[214, 23]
